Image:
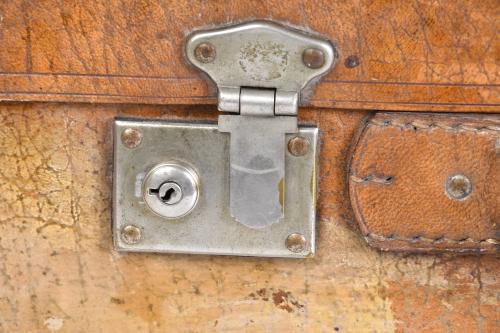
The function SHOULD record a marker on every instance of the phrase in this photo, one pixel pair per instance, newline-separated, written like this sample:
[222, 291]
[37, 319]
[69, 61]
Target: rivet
[313, 58]
[205, 52]
[131, 234]
[296, 242]
[351, 61]
[458, 187]
[298, 146]
[131, 138]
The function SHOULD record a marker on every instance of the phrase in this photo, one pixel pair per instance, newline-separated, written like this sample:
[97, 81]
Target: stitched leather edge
[386, 180]
[418, 125]
[435, 240]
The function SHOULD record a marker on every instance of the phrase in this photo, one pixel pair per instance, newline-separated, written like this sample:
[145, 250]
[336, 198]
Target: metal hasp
[260, 69]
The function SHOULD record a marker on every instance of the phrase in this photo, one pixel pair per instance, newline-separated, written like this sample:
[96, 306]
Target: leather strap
[428, 182]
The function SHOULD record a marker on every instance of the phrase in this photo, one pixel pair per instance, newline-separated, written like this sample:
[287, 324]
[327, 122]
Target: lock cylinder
[171, 190]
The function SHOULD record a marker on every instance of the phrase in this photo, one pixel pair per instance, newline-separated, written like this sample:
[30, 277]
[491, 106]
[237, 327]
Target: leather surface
[59, 272]
[397, 182]
[394, 55]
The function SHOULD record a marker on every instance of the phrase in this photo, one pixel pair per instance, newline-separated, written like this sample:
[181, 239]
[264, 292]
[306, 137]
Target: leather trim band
[399, 182]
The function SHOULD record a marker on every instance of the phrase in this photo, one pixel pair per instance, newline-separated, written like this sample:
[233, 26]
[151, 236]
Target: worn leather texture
[398, 175]
[393, 55]
[59, 272]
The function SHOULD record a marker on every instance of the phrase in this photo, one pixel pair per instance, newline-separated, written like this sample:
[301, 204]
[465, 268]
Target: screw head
[298, 146]
[458, 187]
[131, 234]
[313, 58]
[351, 61]
[131, 138]
[205, 52]
[295, 242]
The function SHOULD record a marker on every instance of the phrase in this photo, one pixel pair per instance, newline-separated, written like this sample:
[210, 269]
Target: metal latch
[260, 69]
[208, 188]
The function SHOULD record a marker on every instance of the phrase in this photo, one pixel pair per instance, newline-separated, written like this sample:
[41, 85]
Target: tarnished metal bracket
[171, 193]
[260, 69]
[260, 54]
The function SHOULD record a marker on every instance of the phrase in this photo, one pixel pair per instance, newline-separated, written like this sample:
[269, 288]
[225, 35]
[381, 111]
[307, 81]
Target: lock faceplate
[209, 227]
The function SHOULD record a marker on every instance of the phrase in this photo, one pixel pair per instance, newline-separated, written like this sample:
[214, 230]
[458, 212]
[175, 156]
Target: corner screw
[313, 58]
[205, 53]
[458, 187]
[296, 242]
[298, 146]
[131, 234]
[131, 138]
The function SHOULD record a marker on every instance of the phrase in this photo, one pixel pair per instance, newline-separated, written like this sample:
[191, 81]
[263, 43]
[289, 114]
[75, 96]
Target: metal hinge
[260, 69]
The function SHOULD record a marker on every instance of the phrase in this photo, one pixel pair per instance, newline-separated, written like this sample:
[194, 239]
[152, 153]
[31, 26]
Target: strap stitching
[437, 240]
[385, 180]
[419, 125]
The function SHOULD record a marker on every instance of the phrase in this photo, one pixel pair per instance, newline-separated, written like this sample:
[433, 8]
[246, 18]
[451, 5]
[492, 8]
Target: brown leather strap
[409, 179]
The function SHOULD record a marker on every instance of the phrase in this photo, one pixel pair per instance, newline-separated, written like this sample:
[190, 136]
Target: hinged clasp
[260, 68]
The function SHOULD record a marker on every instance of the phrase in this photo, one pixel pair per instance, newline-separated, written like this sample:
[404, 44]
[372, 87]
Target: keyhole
[169, 193]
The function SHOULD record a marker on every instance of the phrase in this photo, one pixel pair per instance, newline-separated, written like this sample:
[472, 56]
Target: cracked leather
[422, 55]
[58, 269]
[58, 265]
[397, 179]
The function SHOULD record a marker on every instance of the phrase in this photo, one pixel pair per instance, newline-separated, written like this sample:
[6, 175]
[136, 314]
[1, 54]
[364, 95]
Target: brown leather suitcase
[408, 210]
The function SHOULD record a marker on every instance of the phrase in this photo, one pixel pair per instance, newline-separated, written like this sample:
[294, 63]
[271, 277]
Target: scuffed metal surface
[263, 61]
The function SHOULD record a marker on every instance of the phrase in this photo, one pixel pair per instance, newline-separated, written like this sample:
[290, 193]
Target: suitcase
[403, 236]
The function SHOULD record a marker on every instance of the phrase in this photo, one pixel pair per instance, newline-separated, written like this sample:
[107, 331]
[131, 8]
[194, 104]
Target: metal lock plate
[202, 152]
